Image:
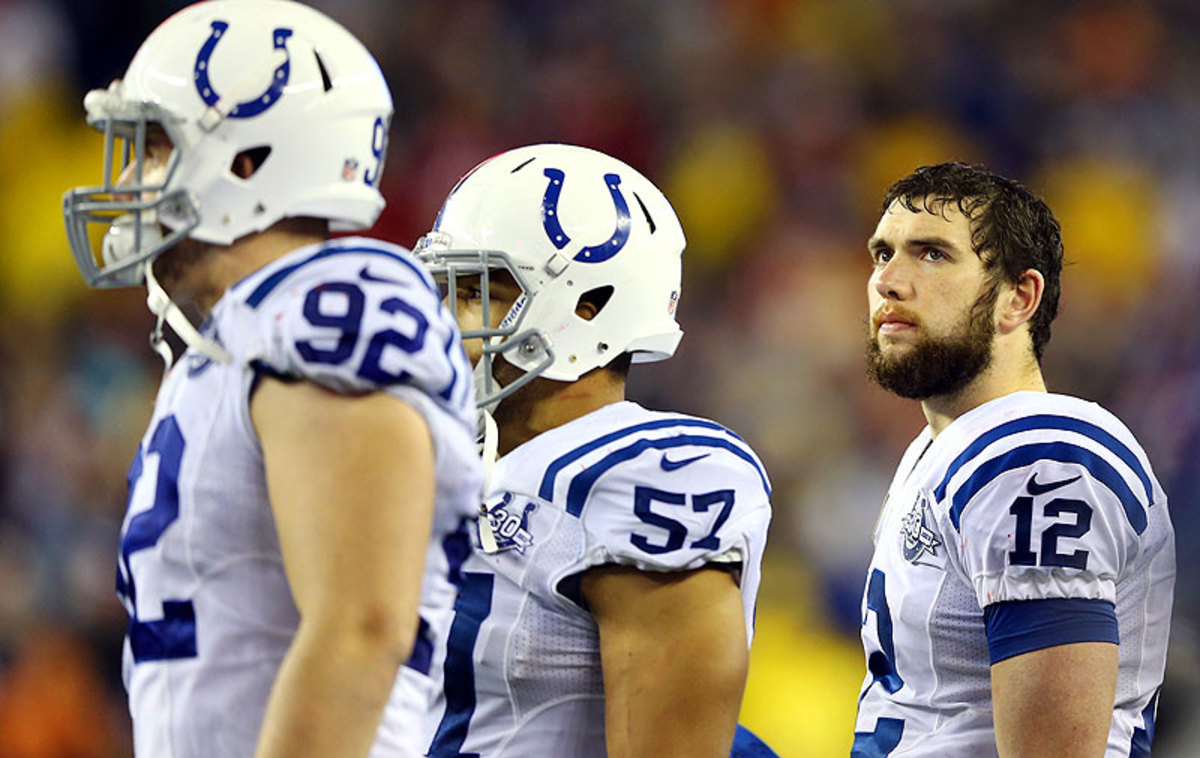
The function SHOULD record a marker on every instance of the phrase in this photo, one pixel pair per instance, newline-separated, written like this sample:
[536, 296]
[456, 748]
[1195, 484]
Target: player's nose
[150, 171]
[892, 280]
[126, 179]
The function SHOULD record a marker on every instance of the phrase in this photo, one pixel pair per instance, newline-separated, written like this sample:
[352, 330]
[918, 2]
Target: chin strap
[161, 305]
[485, 383]
[158, 344]
[488, 444]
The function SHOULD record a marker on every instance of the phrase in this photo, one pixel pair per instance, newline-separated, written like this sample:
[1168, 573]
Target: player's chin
[895, 345]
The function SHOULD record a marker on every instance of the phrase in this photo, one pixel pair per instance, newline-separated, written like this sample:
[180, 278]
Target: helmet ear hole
[593, 301]
[248, 162]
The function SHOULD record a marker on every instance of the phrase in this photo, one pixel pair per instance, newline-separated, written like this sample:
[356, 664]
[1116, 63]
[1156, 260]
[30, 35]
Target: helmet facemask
[132, 202]
[131, 213]
[507, 338]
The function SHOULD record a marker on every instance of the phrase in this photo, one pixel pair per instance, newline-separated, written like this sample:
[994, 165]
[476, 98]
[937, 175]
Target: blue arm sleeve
[1022, 626]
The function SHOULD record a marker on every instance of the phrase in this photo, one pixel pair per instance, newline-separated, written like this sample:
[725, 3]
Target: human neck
[201, 281]
[1006, 374]
[544, 404]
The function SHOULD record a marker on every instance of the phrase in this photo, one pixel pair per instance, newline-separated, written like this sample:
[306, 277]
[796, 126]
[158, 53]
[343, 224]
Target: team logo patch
[508, 526]
[255, 105]
[554, 230]
[917, 537]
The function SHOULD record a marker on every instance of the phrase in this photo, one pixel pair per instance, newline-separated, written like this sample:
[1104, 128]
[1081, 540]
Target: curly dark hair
[1012, 229]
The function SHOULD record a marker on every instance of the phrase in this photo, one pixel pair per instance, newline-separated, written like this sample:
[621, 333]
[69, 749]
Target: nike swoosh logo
[1035, 488]
[670, 465]
[368, 276]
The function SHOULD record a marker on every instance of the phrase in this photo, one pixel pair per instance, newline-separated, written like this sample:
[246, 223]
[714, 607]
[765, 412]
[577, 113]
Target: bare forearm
[673, 648]
[1057, 701]
[693, 717]
[328, 698]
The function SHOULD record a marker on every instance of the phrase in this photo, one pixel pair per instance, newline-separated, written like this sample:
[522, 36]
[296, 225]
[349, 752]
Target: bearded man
[1018, 602]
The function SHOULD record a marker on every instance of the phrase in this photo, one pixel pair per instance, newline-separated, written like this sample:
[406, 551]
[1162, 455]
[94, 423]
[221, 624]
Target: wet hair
[1012, 229]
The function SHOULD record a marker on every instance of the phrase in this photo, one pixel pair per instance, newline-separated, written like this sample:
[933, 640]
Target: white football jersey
[621, 485]
[1031, 497]
[200, 570]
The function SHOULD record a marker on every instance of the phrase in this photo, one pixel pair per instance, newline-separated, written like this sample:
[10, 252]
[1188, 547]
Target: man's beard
[171, 269]
[937, 366]
[171, 266]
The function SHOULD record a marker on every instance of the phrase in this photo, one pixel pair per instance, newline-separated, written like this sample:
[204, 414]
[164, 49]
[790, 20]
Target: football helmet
[272, 79]
[567, 223]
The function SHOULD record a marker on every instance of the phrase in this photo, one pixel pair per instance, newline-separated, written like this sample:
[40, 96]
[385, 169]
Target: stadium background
[774, 126]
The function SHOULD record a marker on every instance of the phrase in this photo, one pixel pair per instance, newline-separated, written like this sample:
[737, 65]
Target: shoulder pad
[353, 316]
[1015, 449]
[1047, 506]
[671, 502]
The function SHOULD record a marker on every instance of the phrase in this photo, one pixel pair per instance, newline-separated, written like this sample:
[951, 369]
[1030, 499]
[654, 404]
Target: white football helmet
[274, 79]
[566, 222]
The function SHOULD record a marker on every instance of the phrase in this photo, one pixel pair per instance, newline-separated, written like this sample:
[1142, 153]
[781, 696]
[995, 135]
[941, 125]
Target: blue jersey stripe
[1062, 452]
[1048, 421]
[274, 280]
[546, 491]
[472, 607]
[879, 743]
[421, 658]
[1143, 736]
[581, 485]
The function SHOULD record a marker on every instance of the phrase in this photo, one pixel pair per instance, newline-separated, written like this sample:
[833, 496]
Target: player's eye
[933, 254]
[470, 292]
[881, 255]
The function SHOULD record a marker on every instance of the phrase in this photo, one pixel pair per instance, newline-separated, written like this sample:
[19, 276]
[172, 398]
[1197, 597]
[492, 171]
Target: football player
[607, 606]
[275, 560]
[1019, 599]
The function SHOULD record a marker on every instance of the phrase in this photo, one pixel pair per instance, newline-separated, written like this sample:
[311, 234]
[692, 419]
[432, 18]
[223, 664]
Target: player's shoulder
[659, 491]
[1045, 411]
[627, 446]
[1027, 431]
[359, 261]
[324, 288]
[354, 315]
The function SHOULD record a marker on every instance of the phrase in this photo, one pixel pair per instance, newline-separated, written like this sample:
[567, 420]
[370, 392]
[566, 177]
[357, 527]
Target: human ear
[586, 310]
[1021, 300]
[243, 166]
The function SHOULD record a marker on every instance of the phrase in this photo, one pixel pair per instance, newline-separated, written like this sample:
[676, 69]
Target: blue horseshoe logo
[595, 253]
[256, 105]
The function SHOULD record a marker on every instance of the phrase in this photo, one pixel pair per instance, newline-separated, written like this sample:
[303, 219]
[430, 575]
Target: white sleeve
[1047, 528]
[713, 508]
[362, 322]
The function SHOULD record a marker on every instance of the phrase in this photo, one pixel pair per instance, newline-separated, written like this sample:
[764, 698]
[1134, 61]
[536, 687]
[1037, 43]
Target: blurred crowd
[775, 126]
